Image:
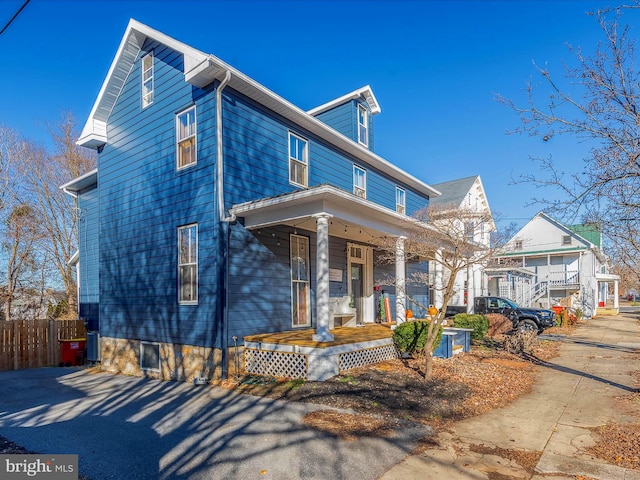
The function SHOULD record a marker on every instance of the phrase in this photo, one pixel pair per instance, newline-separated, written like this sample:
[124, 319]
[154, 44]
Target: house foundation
[161, 360]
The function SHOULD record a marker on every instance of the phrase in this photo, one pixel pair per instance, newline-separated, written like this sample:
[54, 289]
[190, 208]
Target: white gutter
[220, 160]
[68, 192]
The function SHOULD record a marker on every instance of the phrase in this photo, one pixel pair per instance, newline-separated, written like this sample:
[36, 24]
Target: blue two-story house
[220, 210]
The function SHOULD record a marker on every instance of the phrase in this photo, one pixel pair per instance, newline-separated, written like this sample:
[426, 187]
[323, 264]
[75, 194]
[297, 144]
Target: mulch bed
[462, 386]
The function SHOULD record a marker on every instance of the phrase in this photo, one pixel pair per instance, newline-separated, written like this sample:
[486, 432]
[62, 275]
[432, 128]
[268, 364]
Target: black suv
[536, 319]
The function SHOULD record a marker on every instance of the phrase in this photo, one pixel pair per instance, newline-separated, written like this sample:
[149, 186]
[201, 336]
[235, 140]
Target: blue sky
[434, 67]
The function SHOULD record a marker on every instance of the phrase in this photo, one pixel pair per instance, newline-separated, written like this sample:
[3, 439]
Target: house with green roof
[563, 264]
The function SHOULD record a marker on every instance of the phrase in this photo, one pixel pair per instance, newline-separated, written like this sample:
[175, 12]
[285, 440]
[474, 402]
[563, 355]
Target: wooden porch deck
[296, 355]
[342, 336]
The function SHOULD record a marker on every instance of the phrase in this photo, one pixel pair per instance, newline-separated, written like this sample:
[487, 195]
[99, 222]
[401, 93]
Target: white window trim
[151, 92]
[357, 190]
[194, 136]
[297, 161]
[401, 207]
[363, 141]
[195, 301]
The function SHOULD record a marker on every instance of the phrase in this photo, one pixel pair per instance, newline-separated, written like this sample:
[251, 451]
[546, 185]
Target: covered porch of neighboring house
[343, 331]
[515, 283]
[607, 294]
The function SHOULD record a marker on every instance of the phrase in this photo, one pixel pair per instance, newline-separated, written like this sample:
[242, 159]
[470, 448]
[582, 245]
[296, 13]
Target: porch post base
[322, 336]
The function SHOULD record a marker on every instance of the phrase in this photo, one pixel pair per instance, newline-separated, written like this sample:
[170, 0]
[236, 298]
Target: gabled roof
[201, 69]
[583, 234]
[364, 92]
[590, 232]
[454, 191]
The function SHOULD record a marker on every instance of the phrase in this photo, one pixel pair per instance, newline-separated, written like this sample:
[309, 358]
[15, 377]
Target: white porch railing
[525, 294]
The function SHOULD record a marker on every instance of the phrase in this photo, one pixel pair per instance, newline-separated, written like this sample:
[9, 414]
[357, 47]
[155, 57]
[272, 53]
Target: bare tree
[598, 106]
[452, 239]
[21, 234]
[11, 154]
[56, 211]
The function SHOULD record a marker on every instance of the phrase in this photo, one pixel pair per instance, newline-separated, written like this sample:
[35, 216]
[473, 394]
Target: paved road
[132, 428]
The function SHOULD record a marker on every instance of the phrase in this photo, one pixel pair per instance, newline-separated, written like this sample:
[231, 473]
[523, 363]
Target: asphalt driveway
[127, 427]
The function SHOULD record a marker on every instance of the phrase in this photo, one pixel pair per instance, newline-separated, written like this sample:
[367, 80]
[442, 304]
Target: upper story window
[470, 230]
[401, 201]
[186, 138]
[518, 245]
[566, 240]
[363, 126]
[359, 181]
[188, 264]
[298, 160]
[147, 80]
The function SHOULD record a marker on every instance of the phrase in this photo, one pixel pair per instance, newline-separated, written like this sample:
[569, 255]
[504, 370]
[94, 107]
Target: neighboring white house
[465, 193]
[554, 264]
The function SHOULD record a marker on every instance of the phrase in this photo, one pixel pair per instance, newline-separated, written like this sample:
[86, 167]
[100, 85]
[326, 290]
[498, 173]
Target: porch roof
[353, 218]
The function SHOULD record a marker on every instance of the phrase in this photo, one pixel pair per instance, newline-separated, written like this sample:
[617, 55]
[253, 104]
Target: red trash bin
[72, 351]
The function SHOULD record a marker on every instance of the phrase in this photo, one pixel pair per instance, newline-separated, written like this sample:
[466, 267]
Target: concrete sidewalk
[574, 393]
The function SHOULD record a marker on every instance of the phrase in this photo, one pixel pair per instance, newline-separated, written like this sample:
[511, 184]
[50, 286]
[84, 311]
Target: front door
[357, 290]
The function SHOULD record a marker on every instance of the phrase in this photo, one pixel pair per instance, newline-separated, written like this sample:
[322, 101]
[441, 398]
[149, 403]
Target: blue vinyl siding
[260, 280]
[144, 199]
[89, 247]
[256, 158]
[343, 119]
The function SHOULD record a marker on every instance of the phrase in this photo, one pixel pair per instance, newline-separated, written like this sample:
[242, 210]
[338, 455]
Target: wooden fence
[35, 343]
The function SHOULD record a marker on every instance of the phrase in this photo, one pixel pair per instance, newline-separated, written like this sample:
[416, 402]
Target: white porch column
[477, 283]
[438, 294]
[401, 302]
[615, 294]
[322, 279]
[470, 288]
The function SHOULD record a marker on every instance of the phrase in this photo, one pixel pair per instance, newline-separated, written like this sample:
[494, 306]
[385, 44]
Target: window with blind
[186, 138]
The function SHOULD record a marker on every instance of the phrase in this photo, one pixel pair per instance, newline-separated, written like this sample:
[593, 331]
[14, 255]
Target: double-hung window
[359, 181]
[363, 126]
[401, 201]
[186, 138]
[147, 80]
[188, 264]
[298, 160]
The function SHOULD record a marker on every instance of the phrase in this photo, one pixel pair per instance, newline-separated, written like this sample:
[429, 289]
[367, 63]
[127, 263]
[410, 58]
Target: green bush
[411, 336]
[479, 323]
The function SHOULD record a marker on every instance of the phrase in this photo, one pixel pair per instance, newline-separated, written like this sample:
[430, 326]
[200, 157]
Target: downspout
[225, 222]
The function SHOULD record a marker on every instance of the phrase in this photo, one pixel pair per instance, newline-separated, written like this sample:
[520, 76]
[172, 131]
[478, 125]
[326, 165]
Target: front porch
[296, 354]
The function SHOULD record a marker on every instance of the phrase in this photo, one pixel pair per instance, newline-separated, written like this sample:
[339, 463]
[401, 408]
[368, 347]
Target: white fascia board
[328, 199]
[365, 92]
[81, 182]
[94, 132]
[75, 258]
